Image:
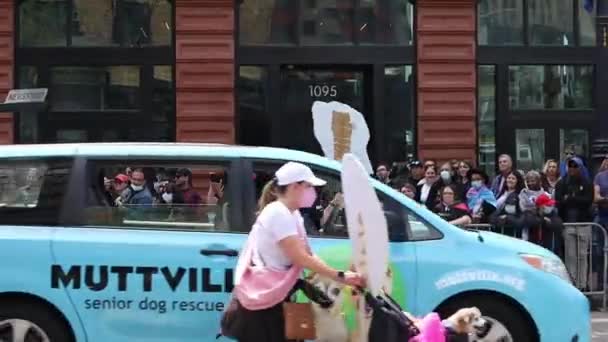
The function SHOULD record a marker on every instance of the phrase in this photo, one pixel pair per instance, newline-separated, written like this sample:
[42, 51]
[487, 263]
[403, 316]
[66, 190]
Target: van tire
[499, 309]
[41, 315]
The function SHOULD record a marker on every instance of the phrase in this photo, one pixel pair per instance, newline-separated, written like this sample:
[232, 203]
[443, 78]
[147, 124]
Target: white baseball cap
[293, 172]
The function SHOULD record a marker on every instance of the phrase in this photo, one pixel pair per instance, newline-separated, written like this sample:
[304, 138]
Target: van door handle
[224, 252]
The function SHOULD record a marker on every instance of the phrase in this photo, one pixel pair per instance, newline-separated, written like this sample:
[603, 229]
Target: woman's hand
[354, 279]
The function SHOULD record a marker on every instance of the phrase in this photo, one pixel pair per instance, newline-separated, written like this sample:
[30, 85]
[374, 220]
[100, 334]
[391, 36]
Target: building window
[255, 120]
[313, 22]
[550, 87]
[547, 23]
[500, 22]
[399, 112]
[108, 65]
[486, 116]
[94, 88]
[540, 22]
[124, 23]
[275, 105]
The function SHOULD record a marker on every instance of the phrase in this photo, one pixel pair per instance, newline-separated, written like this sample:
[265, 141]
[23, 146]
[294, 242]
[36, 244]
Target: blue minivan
[80, 265]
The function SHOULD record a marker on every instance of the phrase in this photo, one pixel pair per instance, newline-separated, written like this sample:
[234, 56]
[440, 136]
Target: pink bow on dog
[431, 329]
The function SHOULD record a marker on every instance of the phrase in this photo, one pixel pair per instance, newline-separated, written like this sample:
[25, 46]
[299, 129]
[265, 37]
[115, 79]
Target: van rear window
[20, 186]
[32, 191]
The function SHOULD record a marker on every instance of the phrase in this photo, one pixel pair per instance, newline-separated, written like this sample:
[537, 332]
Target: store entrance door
[532, 144]
[301, 86]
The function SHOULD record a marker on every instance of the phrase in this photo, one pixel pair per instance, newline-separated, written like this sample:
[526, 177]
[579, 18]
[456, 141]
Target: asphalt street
[600, 326]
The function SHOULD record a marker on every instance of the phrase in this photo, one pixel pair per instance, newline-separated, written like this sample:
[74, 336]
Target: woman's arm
[294, 249]
[461, 221]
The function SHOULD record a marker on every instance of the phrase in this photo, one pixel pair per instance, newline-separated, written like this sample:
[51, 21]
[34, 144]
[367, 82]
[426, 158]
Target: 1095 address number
[323, 90]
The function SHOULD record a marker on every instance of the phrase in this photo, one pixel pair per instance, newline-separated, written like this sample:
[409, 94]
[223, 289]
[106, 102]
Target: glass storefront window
[385, 22]
[575, 139]
[94, 88]
[121, 23]
[500, 22]
[326, 22]
[550, 22]
[267, 22]
[43, 23]
[530, 149]
[486, 116]
[550, 87]
[399, 117]
[255, 122]
[586, 25]
[124, 23]
[300, 87]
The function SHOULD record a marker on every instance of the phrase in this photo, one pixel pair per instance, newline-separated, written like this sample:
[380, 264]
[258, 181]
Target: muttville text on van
[98, 278]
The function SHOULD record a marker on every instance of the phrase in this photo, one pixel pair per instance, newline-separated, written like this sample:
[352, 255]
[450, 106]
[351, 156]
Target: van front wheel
[508, 323]
[25, 322]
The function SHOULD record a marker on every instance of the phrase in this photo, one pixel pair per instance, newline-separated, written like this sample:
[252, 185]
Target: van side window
[327, 217]
[419, 230]
[160, 195]
[32, 191]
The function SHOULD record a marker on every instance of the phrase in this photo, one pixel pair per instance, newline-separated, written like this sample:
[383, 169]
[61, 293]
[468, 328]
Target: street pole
[600, 144]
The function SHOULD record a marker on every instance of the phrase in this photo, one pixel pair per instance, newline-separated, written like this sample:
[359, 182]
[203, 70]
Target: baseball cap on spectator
[293, 172]
[121, 178]
[545, 201]
[415, 163]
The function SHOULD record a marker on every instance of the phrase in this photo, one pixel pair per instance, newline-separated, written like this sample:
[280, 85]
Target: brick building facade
[235, 73]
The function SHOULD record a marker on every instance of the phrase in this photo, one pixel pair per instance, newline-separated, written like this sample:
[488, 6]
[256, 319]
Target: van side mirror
[396, 227]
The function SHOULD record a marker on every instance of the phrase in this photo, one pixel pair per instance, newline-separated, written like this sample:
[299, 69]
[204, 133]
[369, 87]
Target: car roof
[168, 150]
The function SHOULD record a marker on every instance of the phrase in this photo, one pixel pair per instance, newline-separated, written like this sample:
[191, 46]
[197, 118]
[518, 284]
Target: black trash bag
[389, 323]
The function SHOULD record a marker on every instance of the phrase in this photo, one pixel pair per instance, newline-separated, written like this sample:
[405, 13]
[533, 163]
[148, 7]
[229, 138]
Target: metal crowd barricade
[589, 272]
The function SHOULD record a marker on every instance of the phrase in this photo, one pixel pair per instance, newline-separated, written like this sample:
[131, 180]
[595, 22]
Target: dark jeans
[510, 225]
[547, 231]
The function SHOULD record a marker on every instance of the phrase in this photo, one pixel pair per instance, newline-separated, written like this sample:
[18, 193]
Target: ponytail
[269, 194]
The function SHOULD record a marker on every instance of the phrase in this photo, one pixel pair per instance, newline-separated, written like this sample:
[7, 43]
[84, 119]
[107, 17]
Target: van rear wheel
[508, 323]
[27, 322]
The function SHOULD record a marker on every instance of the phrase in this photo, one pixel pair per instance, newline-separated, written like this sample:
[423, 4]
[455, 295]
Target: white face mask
[510, 209]
[476, 184]
[167, 197]
[137, 187]
[445, 175]
[547, 210]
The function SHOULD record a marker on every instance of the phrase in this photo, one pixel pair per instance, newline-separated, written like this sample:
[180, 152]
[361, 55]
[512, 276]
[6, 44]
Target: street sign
[26, 95]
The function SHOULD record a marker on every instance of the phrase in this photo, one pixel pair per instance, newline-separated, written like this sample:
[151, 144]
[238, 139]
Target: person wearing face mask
[278, 242]
[136, 194]
[480, 199]
[447, 176]
[527, 204]
[424, 190]
[507, 216]
[552, 227]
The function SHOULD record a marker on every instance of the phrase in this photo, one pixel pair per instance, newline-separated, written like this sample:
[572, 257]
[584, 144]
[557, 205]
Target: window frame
[234, 170]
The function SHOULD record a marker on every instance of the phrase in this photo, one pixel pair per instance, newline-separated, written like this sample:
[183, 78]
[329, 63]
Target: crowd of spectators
[528, 204]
